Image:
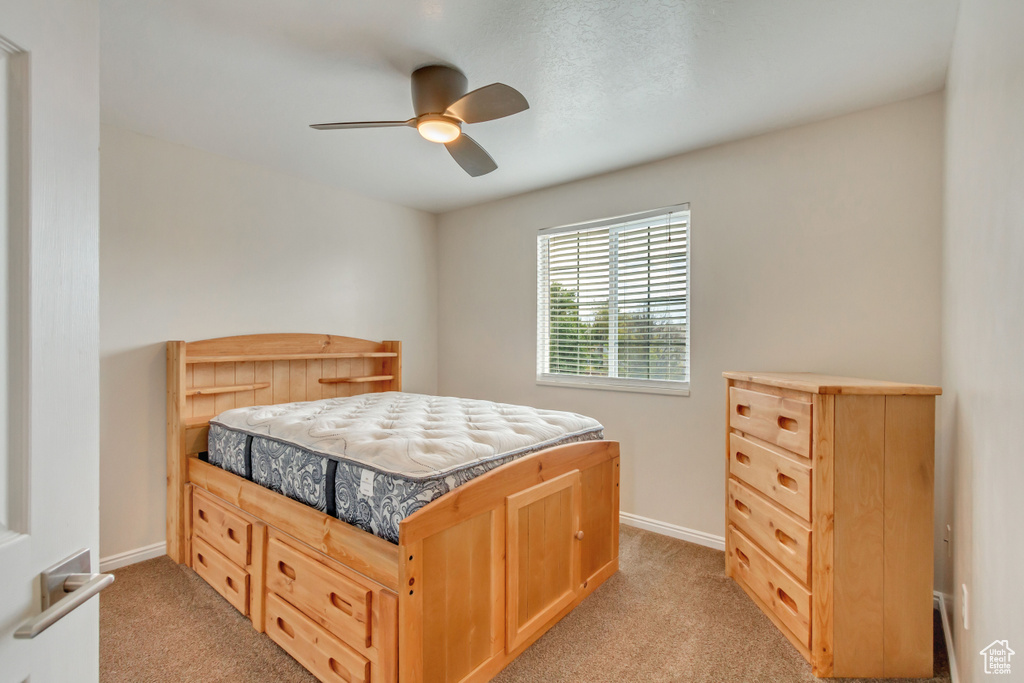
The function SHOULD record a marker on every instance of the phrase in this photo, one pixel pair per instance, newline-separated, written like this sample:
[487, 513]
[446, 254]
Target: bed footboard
[485, 570]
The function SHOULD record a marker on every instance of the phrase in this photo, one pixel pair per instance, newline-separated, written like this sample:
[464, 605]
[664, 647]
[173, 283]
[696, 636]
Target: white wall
[815, 248]
[195, 246]
[983, 326]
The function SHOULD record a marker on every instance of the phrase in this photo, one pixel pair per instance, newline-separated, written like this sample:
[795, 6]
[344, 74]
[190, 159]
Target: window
[613, 303]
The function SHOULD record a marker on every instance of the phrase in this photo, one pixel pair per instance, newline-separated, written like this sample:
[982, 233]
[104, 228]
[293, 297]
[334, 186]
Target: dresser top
[832, 384]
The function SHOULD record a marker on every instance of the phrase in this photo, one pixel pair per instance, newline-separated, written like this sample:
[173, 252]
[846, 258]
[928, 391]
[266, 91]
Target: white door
[49, 357]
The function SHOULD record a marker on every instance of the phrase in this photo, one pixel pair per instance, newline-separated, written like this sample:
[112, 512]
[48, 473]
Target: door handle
[65, 586]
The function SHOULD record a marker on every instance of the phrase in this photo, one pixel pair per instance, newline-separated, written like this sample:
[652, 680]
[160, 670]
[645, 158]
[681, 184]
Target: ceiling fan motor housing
[435, 87]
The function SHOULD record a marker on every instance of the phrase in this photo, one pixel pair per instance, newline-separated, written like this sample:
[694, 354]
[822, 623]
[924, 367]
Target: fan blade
[473, 159]
[490, 102]
[363, 124]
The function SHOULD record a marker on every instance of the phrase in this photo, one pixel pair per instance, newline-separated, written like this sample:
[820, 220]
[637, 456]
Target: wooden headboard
[205, 378]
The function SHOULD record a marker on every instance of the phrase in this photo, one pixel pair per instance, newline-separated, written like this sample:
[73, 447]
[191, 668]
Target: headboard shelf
[205, 391]
[288, 356]
[368, 378]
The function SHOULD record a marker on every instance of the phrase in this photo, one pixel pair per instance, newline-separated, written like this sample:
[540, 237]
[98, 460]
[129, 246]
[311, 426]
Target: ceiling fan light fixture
[442, 105]
[438, 129]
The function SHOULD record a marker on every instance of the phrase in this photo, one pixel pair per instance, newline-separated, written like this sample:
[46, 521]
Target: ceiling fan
[442, 105]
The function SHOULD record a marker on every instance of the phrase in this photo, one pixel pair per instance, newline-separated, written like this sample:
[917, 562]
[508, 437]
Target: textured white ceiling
[610, 83]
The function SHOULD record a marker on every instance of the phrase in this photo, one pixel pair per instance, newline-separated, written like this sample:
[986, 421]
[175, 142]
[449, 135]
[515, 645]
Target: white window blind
[613, 302]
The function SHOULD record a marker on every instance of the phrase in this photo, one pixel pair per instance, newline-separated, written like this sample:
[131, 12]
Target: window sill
[683, 390]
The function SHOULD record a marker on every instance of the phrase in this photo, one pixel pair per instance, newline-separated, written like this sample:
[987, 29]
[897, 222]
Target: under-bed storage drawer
[786, 598]
[331, 599]
[223, 529]
[778, 533]
[783, 479]
[782, 421]
[325, 656]
[225, 576]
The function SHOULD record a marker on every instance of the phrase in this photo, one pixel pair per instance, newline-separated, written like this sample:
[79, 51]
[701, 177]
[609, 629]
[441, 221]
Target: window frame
[606, 383]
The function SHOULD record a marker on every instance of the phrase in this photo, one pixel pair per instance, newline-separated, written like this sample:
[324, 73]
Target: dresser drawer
[785, 480]
[777, 532]
[786, 598]
[225, 576]
[784, 422]
[332, 600]
[223, 529]
[325, 656]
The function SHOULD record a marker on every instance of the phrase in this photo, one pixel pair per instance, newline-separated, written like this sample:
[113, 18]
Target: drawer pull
[202, 515]
[286, 570]
[232, 536]
[787, 423]
[742, 410]
[786, 600]
[337, 668]
[285, 628]
[741, 506]
[787, 481]
[742, 557]
[743, 458]
[202, 560]
[787, 541]
[342, 604]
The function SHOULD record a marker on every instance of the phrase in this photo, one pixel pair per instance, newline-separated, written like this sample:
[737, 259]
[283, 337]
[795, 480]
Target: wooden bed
[478, 575]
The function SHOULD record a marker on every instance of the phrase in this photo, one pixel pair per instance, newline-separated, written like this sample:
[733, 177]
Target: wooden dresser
[829, 507]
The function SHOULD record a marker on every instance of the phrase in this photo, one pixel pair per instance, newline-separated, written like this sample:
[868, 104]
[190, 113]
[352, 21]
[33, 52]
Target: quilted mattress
[374, 459]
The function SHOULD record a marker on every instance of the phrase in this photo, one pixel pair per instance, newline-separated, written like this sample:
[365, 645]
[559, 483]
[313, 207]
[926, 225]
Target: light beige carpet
[668, 615]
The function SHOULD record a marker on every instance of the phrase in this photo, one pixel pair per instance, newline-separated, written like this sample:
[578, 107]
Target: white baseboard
[941, 600]
[132, 556]
[666, 529]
